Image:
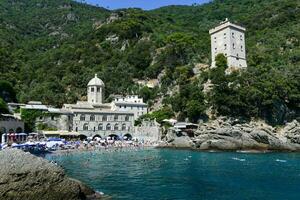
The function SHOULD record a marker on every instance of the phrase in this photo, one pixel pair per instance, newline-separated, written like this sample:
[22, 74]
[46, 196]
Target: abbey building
[93, 117]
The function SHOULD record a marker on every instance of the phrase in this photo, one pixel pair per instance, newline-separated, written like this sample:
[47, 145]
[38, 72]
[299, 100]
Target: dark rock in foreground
[229, 135]
[24, 176]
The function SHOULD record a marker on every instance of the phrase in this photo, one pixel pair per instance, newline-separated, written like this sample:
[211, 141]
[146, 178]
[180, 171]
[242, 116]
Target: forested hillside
[49, 49]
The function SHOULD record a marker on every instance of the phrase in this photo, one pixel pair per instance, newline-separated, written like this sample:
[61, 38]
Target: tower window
[225, 46]
[241, 37]
[233, 46]
[242, 48]
[232, 35]
[92, 89]
[98, 89]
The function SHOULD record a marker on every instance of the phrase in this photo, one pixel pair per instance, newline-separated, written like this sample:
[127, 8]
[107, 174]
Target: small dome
[96, 81]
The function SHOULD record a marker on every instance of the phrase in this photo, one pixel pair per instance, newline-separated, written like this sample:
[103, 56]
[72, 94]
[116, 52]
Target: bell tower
[95, 90]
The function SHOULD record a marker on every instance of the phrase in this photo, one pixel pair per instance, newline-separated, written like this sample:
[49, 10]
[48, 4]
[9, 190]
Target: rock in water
[25, 176]
[229, 135]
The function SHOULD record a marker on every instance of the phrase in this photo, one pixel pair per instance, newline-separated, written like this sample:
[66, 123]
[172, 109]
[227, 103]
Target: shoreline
[258, 151]
[110, 149]
[117, 149]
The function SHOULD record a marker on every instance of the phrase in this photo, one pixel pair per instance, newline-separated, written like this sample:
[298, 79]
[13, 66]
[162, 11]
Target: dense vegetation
[49, 49]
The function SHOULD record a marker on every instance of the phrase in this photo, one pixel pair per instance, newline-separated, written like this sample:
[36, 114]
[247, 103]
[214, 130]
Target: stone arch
[100, 127]
[116, 127]
[19, 130]
[108, 127]
[95, 136]
[128, 136]
[85, 127]
[114, 136]
[82, 137]
[124, 127]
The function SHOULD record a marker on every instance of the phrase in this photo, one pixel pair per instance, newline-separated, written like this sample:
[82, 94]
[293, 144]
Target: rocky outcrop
[24, 176]
[227, 134]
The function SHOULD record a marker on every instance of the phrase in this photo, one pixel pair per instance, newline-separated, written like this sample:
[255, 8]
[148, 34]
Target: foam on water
[239, 159]
[283, 161]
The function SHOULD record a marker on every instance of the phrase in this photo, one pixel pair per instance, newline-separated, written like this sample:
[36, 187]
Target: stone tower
[229, 39]
[95, 91]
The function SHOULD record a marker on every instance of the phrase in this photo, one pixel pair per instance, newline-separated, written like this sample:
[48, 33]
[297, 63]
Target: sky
[144, 4]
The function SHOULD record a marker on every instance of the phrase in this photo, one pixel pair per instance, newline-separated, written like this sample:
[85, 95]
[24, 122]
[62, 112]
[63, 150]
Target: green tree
[3, 107]
[7, 92]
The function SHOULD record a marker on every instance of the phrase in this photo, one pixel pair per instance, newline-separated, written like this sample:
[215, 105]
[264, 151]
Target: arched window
[116, 128]
[104, 118]
[126, 118]
[116, 117]
[123, 127]
[82, 117]
[108, 127]
[85, 127]
[92, 118]
[100, 127]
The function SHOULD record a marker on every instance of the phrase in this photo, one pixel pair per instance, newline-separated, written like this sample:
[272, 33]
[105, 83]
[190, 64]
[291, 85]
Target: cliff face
[24, 176]
[226, 134]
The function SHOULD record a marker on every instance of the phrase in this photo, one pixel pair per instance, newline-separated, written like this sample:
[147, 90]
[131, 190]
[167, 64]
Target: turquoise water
[186, 175]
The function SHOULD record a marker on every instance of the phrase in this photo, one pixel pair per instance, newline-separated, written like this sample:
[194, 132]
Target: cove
[185, 175]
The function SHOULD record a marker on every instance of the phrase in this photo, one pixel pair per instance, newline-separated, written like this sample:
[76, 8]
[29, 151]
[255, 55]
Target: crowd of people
[98, 144]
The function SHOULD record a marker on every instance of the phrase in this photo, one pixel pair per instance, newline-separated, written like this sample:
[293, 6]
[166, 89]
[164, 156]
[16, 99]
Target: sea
[168, 174]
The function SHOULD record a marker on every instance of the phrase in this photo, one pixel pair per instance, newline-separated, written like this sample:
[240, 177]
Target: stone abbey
[94, 117]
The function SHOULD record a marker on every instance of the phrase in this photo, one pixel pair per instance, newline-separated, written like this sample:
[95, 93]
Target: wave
[278, 160]
[239, 159]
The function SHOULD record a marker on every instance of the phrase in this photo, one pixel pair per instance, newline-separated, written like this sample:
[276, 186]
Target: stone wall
[148, 131]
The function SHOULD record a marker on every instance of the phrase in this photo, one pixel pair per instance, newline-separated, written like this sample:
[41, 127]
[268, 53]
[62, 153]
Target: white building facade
[229, 39]
[131, 103]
